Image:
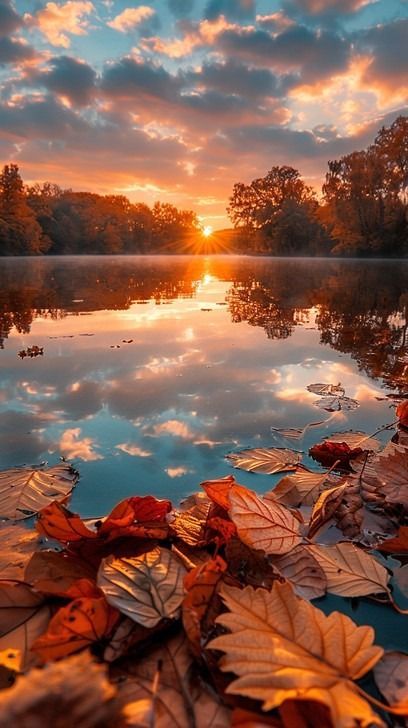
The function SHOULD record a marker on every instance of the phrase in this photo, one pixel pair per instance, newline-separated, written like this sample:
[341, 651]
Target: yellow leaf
[301, 489]
[266, 460]
[263, 524]
[283, 647]
[350, 571]
[146, 588]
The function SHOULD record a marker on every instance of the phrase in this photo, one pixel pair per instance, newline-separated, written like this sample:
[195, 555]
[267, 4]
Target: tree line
[44, 218]
[363, 209]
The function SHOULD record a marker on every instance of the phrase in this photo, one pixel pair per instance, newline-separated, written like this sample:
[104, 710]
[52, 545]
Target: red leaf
[131, 512]
[56, 521]
[328, 453]
[402, 413]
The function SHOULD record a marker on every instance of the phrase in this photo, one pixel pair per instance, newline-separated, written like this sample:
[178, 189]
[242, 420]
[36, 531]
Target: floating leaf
[303, 571]
[78, 625]
[263, 524]
[23, 617]
[146, 588]
[73, 692]
[350, 571]
[283, 647]
[25, 491]
[396, 545]
[17, 545]
[218, 490]
[391, 676]
[335, 404]
[140, 516]
[324, 390]
[57, 522]
[325, 507]
[355, 439]
[265, 460]
[301, 489]
[329, 454]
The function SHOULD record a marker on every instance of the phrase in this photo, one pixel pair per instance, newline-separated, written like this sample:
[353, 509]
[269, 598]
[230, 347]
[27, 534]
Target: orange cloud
[204, 34]
[71, 446]
[133, 450]
[55, 21]
[131, 17]
[175, 428]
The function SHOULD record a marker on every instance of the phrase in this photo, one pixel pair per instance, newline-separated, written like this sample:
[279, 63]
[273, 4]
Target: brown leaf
[396, 545]
[247, 719]
[198, 608]
[25, 491]
[10, 665]
[265, 460]
[166, 676]
[282, 647]
[303, 571]
[53, 572]
[23, 617]
[17, 544]
[338, 454]
[301, 489]
[350, 571]
[126, 635]
[247, 565]
[146, 588]
[325, 507]
[139, 516]
[218, 490]
[263, 524]
[391, 676]
[74, 693]
[402, 413]
[355, 439]
[327, 390]
[57, 522]
[391, 468]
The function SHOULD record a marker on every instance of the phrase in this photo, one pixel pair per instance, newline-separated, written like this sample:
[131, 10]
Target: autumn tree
[171, 225]
[278, 210]
[20, 233]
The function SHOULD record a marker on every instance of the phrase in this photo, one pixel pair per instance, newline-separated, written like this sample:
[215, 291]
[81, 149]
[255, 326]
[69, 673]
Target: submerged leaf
[25, 491]
[262, 524]
[350, 571]
[146, 588]
[282, 647]
[265, 460]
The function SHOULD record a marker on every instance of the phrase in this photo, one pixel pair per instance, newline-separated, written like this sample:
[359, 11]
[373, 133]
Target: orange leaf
[225, 528]
[397, 544]
[402, 413]
[56, 521]
[201, 584]
[218, 490]
[79, 624]
[132, 511]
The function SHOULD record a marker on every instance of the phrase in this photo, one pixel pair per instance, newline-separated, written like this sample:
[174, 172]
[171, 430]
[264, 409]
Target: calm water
[155, 368]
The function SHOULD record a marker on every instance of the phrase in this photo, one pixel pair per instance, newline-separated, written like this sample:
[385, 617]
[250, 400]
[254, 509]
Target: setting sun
[206, 231]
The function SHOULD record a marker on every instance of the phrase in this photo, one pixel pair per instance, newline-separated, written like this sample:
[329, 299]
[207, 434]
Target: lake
[155, 368]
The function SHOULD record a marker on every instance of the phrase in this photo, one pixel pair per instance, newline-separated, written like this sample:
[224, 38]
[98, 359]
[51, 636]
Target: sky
[177, 100]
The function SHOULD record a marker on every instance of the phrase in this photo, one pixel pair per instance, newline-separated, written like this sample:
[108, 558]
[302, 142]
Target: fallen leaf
[301, 489]
[303, 571]
[263, 524]
[402, 413]
[265, 460]
[141, 516]
[57, 522]
[126, 634]
[396, 545]
[282, 647]
[336, 404]
[146, 588]
[247, 719]
[24, 615]
[355, 439]
[391, 468]
[198, 610]
[218, 490]
[79, 624]
[324, 390]
[350, 571]
[166, 675]
[53, 572]
[25, 491]
[325, 507]
[247, 565]
[10, 665]
[73, 692]
[17, 544]
[329, 454]
[391, 676]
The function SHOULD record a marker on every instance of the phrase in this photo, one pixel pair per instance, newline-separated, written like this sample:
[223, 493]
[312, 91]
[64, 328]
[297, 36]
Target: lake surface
[154, 368]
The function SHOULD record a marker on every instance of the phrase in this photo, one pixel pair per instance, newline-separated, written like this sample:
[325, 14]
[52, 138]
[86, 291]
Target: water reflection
[154, 368]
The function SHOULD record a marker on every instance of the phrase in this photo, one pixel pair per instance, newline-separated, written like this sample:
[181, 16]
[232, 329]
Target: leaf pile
[202, 615]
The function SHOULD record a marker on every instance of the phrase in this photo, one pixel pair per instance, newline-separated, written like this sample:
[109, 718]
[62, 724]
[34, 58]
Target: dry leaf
[17, 544]
[325, 507]
[350, 571]
[139, 516]
[198, 611]
[263, 524]
[355, 439]
[265, 460]
[74, 693]
[23, 617]
[247, 565]
[303, 571]
[53, 572]
[247, 719]
[218, 490]
[146, 588]
[57, 522]
[391, 467]
[325, 390]
[10, 665]
[334, 454]
[396, 545]
[125, 636]
[25, 491]
[391, 676]
[301, 489]
[166, 676]
[282, 647]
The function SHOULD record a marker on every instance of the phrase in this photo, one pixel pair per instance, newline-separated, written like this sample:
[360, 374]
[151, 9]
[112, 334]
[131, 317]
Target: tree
[20, 233]
[278, 210]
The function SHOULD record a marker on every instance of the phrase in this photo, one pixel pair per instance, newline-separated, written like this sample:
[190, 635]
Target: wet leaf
[355, 439]
[141, 516]
[391, 676]
[265, 460]
[247, 565]
[402, 413]
[24, 615]
[350, 571]
[198, 611]
[329, 454]
[396, 545]
[301, 489]
[57, 522]
[325, 507]
[146, 588]
[79, 624]
[166, 676]
[336, 404]
[17, 545]
[263, 524]
[303, 571]
[391, 467]
[218, 490]
[281, 647]
[74, 692]
[324, 390]
[53, 572]
[25, 491]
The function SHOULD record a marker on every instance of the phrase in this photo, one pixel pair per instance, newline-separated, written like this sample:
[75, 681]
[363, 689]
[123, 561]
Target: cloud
[195, 36]
[177, 472]
[71, 78]
[133, 450]
[180, 8]
[387, 45]
[15, 51]
[130, 77]
[326, 7]
[231, 9]
[55, 21]
[130, 18]
[72, 446]
[9, 19]
[39, 117]
[176, 428]
[233, 77]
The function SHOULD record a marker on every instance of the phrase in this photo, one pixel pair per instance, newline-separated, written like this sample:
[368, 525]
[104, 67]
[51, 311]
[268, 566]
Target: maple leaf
[73, 692]
[25, 491]
[263, 524]
[328, 453]
[266, 460]
[282, 647]
[350, 571]
[146, 588]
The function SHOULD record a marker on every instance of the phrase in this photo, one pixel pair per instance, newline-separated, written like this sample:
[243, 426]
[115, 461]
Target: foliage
[171, 599]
